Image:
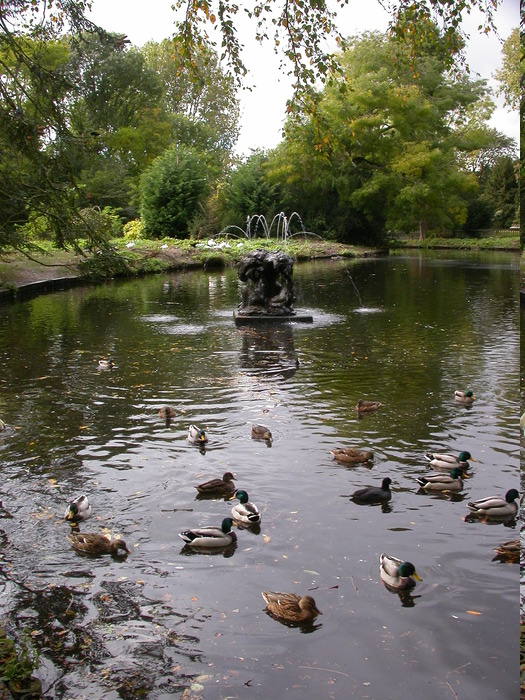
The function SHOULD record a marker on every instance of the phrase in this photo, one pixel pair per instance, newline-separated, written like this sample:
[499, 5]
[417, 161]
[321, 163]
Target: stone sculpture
[268, 284]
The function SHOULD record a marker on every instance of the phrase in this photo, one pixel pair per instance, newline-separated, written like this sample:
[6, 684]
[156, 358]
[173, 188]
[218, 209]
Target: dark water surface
[407, 330]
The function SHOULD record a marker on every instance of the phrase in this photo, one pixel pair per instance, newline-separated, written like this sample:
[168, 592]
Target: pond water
[407, 330]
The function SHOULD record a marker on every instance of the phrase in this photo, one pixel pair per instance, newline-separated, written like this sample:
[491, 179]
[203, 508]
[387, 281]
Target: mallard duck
[443, 482]
[495, 506]
[211, 536]
[397, 574]
[291, 607]
[466, 397]
[440, 460]
[106, 364]
[78, 510]
[93, 543]
[167, 413]
[374, 494]
[508, 552]
[218, 487]
[196, 436]
[363, 406]
[245, 511]
[261, 432]
[352, 455]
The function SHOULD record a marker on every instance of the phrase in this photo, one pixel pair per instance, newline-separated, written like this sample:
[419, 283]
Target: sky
[263, 107]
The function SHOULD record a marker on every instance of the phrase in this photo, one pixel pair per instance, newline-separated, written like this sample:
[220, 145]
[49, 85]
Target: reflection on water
[162, 622]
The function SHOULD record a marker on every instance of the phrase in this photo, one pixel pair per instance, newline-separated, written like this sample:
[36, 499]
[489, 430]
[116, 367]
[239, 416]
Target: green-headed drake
[441, 460]
[245, 511]
[466, 397]
[78, 510]
[495, 506]
[212, 536]
[397, 574]
[443, 482]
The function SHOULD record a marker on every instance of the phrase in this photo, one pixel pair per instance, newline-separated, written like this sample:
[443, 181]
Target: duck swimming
[106, 364]
[495, 506]
[373, 494]
[196, 436]
[508, 552]
[443, 482]
[465, 397]
[261, 432]
[352, 455]
[245, 511]
[364, 406]
[397, 574]
[218, 487]
[291, 607]
[167, 413]
[211, 536]
[93, 543]
[78, 510]
[440, 460]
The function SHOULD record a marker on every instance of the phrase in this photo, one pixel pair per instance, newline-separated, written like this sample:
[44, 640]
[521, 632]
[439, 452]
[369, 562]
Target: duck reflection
[225, 552]
[407, 599]
[254, 528]
[269, 350]
[303, 627]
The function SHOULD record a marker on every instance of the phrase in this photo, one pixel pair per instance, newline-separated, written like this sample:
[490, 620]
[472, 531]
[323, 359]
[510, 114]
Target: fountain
[267, 294]
[255, 223]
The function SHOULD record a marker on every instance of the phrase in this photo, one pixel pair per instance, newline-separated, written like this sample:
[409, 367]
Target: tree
[172, 189]
[249, 192]
[501, 190]
[509, 74]
[42, 155]
[209, 101]
[300, 30]
[381, 149]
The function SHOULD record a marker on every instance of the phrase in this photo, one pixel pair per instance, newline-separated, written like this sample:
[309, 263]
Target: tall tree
[209, 101]
[300, 29]
[381, 148]
[509, 74]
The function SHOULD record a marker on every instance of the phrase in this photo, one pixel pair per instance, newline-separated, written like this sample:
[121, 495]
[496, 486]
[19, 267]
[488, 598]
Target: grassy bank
[134, 258]
[499, 242]
[139, 257]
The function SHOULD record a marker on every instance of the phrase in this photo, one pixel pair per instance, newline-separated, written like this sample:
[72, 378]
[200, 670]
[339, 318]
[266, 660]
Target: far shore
[51, 269]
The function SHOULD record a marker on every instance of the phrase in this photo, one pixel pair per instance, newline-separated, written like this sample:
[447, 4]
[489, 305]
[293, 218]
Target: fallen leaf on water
[266, 538]
[473, 612]
[309, 571]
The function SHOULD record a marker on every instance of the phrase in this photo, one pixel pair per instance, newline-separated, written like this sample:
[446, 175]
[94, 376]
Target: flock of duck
[397, 575]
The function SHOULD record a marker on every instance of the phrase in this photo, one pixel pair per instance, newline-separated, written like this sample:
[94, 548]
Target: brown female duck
[291, 607]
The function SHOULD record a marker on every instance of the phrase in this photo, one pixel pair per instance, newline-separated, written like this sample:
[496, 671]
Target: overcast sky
[263, 108]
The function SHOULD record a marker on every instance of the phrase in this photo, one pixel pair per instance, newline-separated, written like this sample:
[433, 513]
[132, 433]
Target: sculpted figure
[268, 283]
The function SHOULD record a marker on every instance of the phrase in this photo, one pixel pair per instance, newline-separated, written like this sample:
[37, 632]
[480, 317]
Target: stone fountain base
[242, 319]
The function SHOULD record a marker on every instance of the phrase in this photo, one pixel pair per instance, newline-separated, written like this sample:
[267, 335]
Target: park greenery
[387, 136]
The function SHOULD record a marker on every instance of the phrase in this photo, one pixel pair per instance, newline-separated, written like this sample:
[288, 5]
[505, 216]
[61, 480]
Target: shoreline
[23, 278]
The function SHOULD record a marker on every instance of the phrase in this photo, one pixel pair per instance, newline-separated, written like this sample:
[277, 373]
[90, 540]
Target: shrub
[133, 230]
[171, 191]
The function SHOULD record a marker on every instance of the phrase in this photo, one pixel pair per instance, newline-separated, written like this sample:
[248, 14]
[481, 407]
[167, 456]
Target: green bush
[133, 230]
[104, 264]
[171, 191]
